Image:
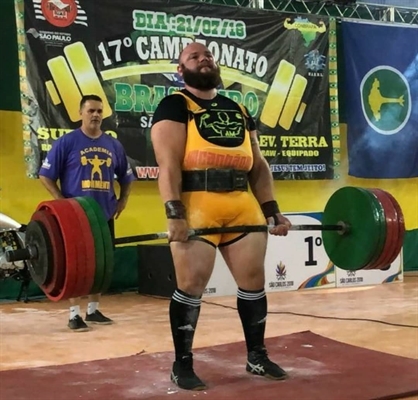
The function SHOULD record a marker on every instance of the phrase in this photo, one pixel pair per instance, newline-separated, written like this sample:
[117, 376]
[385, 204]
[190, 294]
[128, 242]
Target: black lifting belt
[215, 180]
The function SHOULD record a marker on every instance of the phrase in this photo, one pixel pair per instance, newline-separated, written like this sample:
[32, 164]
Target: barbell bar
[361, 229]
[31, 252]
[343, 228]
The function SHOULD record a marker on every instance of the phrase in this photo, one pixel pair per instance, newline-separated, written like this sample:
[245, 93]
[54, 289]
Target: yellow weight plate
[300, 113]
[52, 90]
[85, 74]
[66, 86]
[293, 100]
[277, 94]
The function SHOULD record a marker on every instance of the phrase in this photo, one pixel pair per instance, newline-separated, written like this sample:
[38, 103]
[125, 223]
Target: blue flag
[381, 85]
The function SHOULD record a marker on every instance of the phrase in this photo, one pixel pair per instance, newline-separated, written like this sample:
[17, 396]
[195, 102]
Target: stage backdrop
[282, 67]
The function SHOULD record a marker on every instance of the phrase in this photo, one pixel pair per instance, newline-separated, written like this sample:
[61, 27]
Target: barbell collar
[341, 227]
[28, 253]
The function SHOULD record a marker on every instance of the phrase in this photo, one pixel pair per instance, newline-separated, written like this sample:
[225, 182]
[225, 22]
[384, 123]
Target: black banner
[276, 64]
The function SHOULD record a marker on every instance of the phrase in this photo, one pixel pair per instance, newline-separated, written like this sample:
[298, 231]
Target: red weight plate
[87, 269]
[401, 228]
[391, 230]
[66, 217]
[54, 285]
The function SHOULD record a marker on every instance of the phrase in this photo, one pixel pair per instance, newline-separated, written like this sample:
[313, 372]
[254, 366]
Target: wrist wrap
[174, 209]
[270, 209]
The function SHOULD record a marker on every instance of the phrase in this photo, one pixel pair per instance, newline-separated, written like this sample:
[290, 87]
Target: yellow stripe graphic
[66, 86]
[278, 92]
[295, 96]
[85, 74]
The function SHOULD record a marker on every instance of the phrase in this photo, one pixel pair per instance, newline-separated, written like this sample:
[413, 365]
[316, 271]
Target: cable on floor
[377, 321]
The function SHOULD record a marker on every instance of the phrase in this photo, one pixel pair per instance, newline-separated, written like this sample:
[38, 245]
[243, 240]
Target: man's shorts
[214, 209]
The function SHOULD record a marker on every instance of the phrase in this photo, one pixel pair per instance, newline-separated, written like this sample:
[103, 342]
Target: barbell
[74, 76]
[69, 249]
[85, 161]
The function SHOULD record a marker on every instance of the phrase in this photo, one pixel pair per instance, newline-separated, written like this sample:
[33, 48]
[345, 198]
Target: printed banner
[293, 262]
[382, 99]
[299, 261]
[277, 65]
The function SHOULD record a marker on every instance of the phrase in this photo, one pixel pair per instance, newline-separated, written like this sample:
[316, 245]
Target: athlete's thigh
[203, 211]
[193, 262]
[245, 260]
[245, 211]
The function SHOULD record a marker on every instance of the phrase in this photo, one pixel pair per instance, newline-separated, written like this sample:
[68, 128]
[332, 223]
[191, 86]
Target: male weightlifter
[207, 150]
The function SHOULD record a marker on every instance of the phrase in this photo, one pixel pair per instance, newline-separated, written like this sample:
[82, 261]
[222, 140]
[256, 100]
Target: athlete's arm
[169, 140]
[168, 136]
[261, 182]
[260, 177]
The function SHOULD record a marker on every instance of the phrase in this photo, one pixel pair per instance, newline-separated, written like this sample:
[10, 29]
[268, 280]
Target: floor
[35, 334]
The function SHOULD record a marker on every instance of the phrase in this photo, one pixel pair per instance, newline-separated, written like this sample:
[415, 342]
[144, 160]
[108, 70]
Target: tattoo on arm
[254, 141]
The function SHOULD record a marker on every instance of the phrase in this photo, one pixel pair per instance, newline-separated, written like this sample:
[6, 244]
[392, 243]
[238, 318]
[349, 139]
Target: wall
[19, 195]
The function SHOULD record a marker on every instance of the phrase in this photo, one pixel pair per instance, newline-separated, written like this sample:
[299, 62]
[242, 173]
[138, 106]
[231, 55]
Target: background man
[104, 157]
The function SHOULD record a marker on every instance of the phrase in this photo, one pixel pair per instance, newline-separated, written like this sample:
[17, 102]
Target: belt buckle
[206, 179]
[207, 186]
[233, 180]
[220, 186]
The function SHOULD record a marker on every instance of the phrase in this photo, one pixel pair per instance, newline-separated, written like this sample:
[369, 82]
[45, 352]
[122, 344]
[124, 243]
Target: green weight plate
[383, 229]
[351, 250]
[98, 244]
[107, 243]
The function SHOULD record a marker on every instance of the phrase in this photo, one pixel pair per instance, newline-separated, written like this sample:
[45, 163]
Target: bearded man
[207, 149]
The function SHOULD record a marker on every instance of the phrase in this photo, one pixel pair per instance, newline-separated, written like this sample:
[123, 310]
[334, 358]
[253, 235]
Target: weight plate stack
[107, 243]
[351, 250]
[98, 245]
[56, 276]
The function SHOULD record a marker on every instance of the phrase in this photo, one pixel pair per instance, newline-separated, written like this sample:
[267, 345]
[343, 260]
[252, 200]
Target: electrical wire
[376, 321]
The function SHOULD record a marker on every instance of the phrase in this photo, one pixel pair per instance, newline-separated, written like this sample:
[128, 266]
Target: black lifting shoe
[183, 374]
[258, 363]
[77, 324]
[98, 318]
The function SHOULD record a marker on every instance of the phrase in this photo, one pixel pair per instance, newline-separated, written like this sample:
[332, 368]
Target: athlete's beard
[202, 80]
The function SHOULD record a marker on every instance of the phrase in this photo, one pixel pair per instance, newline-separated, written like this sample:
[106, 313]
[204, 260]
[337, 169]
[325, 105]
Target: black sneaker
[98, 318]
[77, 324]
[258, 363]
[183, 375]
